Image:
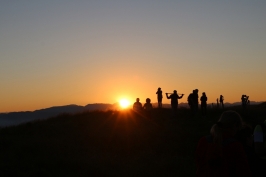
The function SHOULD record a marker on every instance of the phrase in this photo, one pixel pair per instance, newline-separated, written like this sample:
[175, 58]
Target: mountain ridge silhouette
[16, 118]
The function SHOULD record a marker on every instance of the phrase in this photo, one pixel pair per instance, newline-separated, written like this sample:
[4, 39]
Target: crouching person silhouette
[148, 107]
[137, 106]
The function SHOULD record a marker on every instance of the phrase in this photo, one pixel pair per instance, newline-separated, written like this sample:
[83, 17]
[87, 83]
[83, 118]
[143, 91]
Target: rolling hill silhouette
[109, 143]
[16, 118]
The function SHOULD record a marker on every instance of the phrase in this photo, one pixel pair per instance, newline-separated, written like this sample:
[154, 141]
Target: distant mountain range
[15, 118]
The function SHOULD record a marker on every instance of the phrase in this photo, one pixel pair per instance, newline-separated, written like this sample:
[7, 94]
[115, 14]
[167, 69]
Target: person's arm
[168, 97]
[247, 99]
[179, 97]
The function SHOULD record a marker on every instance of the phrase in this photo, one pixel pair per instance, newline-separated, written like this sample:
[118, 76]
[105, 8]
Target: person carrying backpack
[220, 154]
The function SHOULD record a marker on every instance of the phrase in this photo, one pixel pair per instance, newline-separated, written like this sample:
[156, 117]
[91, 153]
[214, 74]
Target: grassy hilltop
[111, 143]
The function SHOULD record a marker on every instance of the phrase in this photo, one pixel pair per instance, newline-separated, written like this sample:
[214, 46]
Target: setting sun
[124, 103]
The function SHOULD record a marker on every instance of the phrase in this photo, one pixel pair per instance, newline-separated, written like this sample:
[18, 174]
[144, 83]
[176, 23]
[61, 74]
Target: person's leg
[174, 111]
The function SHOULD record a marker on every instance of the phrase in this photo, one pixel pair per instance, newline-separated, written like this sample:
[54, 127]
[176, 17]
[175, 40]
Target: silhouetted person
[244, 100]
[159, 97]
[195, 100]
[220, 154]
[137, 106]
[174, 101]
[222, 101]
[203, 100]
[217, 100]
[147, 106]
[190, 101]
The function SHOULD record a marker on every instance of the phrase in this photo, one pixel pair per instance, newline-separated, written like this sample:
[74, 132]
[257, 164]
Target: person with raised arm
[174, 101]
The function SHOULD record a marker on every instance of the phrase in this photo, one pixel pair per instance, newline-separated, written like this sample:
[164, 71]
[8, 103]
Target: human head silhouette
[148, 100]
[229, 122]
[137, 99]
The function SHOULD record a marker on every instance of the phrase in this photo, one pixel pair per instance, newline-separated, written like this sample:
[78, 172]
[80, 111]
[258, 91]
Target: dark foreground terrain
[112, 143]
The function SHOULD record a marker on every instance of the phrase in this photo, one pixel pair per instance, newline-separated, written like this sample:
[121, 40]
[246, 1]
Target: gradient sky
[59, 52]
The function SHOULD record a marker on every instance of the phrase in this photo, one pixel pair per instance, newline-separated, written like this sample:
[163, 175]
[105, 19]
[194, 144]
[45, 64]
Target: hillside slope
[108, 143]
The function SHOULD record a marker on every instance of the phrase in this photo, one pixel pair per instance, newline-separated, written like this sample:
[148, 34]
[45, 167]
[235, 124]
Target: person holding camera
[244, 100]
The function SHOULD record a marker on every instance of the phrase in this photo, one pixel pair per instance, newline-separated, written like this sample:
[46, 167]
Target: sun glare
[124, 103]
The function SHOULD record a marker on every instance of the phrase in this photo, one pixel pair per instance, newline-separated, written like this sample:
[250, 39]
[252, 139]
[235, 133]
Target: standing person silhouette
[222, 101]
[137, 106]
[174, 101]
[159, 97]
[195, 100]
[190, 101]
[244, 100]
[217, 100]
[203, 104]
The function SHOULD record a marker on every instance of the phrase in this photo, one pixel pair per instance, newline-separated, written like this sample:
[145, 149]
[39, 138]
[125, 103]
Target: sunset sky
[60, 52]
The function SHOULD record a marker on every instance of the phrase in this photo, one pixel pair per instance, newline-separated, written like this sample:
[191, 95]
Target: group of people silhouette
[192, 99]
[174, 97]
[137, 106]
[233, 148]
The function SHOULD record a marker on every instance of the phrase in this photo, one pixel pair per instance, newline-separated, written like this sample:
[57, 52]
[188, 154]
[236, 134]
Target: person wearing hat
[159, 97]
[174, 101]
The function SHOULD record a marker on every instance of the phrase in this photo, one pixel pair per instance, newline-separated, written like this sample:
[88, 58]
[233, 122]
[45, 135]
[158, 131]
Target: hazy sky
[59, 52]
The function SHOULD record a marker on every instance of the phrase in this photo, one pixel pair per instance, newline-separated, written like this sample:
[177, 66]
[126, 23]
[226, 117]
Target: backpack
[214, 162]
